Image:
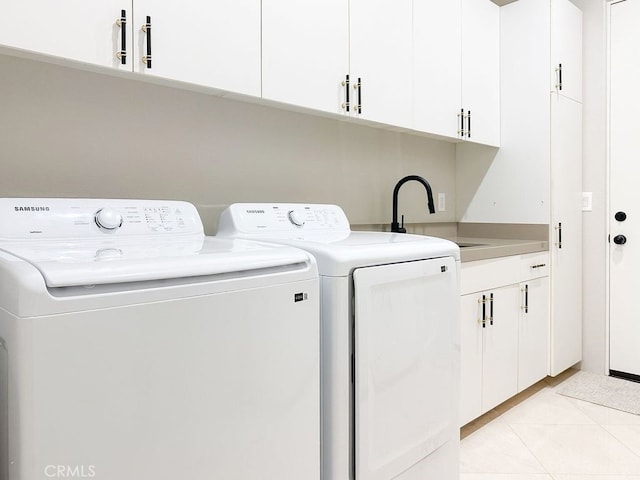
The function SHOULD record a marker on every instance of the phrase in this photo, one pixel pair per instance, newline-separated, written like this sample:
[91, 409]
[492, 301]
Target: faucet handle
[402, 229]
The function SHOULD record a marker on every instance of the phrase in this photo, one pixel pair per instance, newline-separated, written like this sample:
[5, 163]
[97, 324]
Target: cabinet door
[305, 52]
[566, 49]
[216, 43]
[533, 337]
[481, 70]
[380, 55]
[566, 233]
[436, 66]
[75, 29]
[470, 357]
[500, 347]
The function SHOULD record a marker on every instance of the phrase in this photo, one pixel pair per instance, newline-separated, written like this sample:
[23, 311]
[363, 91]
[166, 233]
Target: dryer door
[406, 364]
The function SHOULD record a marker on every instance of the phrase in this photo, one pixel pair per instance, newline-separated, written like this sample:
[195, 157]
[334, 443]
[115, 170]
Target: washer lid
[76, 263]
[340, 255]
[324, 231]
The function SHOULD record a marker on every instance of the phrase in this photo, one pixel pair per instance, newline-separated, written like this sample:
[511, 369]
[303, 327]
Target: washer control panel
[261, 218]
[57, 218]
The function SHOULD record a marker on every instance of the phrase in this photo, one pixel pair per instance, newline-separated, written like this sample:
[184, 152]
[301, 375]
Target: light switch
[587, 201]
[441, 202]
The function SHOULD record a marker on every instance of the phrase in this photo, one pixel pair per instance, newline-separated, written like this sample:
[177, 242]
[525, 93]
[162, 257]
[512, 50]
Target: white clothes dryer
[390, 340]
[133, 347]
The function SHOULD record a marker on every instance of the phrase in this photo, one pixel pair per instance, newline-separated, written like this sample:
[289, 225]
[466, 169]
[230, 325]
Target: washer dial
[295, 218]
[108, 219]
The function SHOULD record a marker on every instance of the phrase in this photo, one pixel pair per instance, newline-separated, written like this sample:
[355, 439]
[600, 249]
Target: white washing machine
[132, 347]
[390, 340]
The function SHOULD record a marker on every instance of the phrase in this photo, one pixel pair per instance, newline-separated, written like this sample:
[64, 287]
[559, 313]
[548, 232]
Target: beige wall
[595, 247]
[65, 132]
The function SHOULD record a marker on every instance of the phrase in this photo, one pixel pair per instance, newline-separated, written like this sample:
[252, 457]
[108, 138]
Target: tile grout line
[595, 423]
[603, 425]
[530, 451]
[624, 444]
[551, 384]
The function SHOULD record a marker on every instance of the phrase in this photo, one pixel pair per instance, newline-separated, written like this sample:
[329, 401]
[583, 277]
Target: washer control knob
[108, 220]
[295, 218]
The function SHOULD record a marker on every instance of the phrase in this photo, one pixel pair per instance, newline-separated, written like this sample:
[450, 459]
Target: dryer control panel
[273, 218]
[62, 218]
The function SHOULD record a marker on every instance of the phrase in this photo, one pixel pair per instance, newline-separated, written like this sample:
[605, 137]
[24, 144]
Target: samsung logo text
[31, 209]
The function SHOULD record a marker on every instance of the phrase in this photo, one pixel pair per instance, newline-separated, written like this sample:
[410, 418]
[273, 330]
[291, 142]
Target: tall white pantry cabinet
[536, 175]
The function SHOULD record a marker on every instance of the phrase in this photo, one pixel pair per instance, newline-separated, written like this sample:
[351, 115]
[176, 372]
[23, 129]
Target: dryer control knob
[295, 218]
[108, 220]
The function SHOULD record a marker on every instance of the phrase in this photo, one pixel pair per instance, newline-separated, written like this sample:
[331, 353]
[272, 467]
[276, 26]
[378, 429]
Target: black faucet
[395, 226]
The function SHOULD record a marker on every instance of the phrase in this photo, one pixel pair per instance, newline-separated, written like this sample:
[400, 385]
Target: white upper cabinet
[74, 29]
[412, 64]
[305, 53]
[481, 72]
[512, 185]
[566, 50]
[456, 77]
[403, 59]
[210, 43]
[381, 60]
[437, 56]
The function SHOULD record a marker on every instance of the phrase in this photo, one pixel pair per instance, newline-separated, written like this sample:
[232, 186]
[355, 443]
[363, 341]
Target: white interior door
[623, 188]
[406, 342]
[216, 44]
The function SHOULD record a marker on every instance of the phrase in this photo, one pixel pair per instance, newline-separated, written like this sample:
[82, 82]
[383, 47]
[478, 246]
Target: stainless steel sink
[465, 245]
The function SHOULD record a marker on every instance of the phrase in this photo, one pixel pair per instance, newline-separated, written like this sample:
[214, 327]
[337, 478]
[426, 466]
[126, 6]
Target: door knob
[620, 216]
[619, 239]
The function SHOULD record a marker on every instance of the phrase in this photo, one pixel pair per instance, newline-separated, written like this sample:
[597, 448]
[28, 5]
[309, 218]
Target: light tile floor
[547, 436]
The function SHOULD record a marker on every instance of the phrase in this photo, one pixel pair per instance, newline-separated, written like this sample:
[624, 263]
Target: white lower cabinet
[533, 332]
[504, 313]
[489, 350]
